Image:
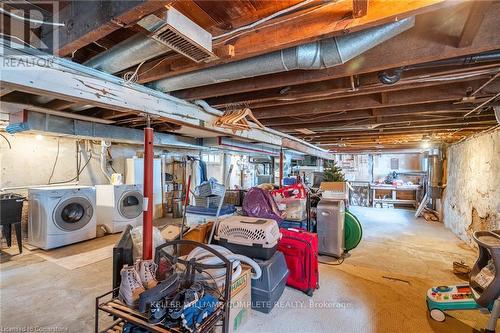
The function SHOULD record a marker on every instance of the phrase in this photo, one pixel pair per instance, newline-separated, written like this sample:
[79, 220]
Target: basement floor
[380, 288]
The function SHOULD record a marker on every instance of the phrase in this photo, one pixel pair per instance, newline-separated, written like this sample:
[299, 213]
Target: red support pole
[147, 231]
[281, 167]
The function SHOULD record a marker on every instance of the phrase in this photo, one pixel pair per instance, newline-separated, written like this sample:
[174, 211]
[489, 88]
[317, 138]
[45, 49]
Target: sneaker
[130, 286]
[147, 273]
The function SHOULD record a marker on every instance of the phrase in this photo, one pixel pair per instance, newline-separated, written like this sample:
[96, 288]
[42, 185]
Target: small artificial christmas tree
[332, 172]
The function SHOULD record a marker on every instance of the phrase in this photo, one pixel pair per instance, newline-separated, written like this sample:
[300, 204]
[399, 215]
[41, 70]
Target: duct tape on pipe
[145, 204]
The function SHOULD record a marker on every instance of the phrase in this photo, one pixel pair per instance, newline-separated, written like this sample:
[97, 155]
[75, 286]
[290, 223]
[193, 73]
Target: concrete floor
[379, 288]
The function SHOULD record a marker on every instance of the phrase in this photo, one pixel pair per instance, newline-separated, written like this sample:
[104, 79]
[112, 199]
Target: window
[211, 158]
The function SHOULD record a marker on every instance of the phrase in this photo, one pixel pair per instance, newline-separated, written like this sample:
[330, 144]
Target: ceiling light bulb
[39, 137]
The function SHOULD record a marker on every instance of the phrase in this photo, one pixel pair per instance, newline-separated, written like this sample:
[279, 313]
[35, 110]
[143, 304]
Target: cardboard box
[241, 302]
[334, 186]
[335, 190]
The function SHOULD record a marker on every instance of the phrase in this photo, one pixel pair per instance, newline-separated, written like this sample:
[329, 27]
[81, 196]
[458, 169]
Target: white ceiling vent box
[181, 35]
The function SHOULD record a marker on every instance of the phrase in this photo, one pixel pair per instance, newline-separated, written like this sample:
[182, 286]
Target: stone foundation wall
[472, 195]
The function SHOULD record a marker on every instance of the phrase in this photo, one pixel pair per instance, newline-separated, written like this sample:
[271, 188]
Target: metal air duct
[126, 54]
[321, 54]
[172, 32]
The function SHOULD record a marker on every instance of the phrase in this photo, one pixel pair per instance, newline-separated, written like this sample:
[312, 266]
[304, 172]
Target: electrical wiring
[78, 171]
[132, 77]
[230, 36]
[337, 262]
[111, 159]
[19, 39]
[153, 67]
[265, 19]
[22, 18]
[55, 163]
[8, 142]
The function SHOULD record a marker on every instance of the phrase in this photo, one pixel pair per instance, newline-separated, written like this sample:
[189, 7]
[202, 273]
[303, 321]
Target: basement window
[211, 158]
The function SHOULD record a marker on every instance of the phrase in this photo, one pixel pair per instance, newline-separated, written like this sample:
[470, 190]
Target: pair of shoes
[147, 273]
[135, 279]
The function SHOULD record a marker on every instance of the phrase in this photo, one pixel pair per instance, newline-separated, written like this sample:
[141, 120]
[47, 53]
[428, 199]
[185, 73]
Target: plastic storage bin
[267, 290]
[212, 201]
[294, 224]
[295, 209]
[209, 188]
[199, 215]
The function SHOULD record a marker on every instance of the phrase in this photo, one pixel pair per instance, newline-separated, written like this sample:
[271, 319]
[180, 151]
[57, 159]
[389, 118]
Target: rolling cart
[122, 314]
[483, 290]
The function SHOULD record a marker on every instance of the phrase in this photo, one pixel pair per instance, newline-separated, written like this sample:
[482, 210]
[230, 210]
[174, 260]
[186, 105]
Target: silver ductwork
[172, 32]
[322, 54]
[126, 54]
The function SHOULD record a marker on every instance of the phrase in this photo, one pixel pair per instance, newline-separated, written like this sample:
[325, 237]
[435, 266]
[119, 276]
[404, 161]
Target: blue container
[287, 181]
[293, 224]
[211, 211]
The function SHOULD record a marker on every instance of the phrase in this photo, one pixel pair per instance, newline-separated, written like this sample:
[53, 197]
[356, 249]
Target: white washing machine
[118, 206]
[60, 216]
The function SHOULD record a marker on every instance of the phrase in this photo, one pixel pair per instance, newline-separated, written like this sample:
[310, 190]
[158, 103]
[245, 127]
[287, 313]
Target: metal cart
[121, 313]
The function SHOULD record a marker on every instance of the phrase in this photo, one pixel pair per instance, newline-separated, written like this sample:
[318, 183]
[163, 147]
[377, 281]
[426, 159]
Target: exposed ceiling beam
[376, 120]
[88, 21]
[58, 104]
[330, 19]
[473, 22]
[411, 47]
[407, 130]
[443, 108]
[376, 124]
[5, 91]
[337, 88]
[450, 93]
[65, 80]
[359, 8]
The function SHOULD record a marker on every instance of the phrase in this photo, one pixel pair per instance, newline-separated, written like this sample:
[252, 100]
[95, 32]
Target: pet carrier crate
[250, 236]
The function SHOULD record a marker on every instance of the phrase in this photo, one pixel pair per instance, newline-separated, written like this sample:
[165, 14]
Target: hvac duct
[325, 53]
[126, 54]
[172, 32]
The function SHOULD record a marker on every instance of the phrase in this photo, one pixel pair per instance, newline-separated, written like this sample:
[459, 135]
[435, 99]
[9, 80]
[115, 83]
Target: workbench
[394, 190]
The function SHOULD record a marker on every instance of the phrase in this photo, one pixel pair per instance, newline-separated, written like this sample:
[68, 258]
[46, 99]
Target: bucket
[177, 208]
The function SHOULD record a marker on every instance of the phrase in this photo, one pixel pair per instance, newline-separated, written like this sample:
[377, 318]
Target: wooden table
[394, 189]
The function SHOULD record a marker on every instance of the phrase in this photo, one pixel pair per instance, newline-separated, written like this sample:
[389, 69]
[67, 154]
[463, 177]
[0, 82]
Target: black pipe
[394, 75]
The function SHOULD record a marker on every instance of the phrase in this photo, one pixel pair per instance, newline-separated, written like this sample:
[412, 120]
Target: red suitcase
[301, 253]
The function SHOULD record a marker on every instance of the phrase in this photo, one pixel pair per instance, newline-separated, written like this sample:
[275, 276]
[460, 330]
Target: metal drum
[330, 224]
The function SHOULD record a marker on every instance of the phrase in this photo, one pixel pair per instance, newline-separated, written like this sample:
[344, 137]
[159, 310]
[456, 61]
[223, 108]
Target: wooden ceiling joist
[359, 8]
[450, 93]
[88, 21]
[473, 22]
[337, 88]
[411, 47]
[327, 20]
[417, 110]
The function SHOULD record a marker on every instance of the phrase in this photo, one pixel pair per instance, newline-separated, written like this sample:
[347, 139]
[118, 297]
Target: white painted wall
[30, 160]
[472, 195]
[407, 163]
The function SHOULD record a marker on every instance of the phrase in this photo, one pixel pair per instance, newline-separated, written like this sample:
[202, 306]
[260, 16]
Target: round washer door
[130, 204]
[73, 213]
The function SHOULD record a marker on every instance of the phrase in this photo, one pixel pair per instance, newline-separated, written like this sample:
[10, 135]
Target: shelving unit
[123, 314]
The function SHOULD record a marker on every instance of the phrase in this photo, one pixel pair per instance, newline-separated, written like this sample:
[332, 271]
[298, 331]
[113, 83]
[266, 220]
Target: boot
[147, 273]
[130, 286]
